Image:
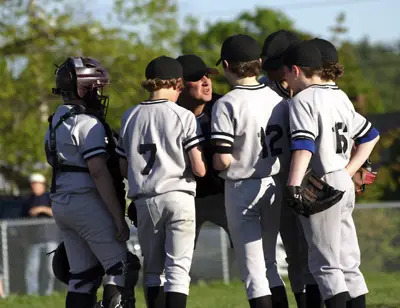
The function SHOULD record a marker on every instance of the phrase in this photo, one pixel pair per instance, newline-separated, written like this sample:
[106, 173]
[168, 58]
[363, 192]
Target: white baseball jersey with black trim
[78, 138]
[155, 138]
[254, 120]
[323, 121]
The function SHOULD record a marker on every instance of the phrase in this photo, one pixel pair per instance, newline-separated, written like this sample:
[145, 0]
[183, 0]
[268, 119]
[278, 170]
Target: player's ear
[179, 85]
[225, 65]
[296, 70]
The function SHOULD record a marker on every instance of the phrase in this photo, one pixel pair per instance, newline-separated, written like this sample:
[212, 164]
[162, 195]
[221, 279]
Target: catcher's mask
[83, 78]
[60, 264]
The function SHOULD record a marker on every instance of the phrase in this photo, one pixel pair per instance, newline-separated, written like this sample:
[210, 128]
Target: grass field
[384, 293]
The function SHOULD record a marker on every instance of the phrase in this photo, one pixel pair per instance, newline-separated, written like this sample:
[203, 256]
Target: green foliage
[378, 236]
[380, 65]
[35, 35]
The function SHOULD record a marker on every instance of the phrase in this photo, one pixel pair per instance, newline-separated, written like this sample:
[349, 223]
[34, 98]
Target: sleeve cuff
[303, 144]
[192, 142]
[371, 135]
[120, 152]
[93, 152]
[224, 137]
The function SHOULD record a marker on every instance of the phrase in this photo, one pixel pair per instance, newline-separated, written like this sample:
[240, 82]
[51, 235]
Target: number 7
[143, 148]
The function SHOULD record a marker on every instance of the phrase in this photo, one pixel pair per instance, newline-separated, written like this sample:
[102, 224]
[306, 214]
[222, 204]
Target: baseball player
[197, 96]
[303, 285]
[159, 145]
[323, 125]
[249, 126]
[84, 200]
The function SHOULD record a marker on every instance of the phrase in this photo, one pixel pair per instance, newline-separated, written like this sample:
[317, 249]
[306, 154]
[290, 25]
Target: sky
[378, 20]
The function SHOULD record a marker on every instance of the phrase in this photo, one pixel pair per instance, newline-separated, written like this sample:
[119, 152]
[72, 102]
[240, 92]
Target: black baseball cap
[327, 49]
[164, 68]
[304, 54]
[274, 46]
[239, 48]
[194, 67]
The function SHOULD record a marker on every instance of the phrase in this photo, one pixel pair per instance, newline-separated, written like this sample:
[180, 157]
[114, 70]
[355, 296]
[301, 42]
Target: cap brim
[212, 71]
[218, 62]
[197, 76]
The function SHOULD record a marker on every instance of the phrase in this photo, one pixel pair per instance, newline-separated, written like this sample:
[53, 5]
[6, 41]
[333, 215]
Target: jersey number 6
[143, 149]
[341, 141]
[278, 135]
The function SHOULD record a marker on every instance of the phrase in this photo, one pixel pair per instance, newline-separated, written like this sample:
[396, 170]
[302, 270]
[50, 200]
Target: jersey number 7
[143, 149]
[278, 135]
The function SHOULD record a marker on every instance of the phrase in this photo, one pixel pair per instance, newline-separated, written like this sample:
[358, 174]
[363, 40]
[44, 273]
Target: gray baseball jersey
[253, 119]
[276, 86]
[323, 117]
[155, 137]
[78, 138]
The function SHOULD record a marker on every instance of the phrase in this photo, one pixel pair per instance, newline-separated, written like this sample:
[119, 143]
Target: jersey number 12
[143, 149]
[278, 135]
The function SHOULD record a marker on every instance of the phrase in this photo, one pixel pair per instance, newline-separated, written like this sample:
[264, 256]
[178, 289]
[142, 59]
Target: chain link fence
[25, 268]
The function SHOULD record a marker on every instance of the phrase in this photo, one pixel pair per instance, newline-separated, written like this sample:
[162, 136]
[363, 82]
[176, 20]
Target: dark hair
[156, 84]
[311, 71]
[245, 69]
[332, 71]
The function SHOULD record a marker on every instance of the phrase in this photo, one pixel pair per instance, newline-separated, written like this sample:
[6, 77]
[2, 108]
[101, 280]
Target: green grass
[384, 293]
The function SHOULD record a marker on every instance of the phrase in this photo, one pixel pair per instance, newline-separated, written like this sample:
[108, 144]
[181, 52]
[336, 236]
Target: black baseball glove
[313, 196]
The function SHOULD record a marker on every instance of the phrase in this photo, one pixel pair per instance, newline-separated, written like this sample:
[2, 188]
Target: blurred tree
[207, 44]
[36, 34]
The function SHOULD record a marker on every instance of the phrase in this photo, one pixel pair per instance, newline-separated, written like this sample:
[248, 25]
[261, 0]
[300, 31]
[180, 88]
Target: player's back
[325, 114]
[155, 136]
[254, 119]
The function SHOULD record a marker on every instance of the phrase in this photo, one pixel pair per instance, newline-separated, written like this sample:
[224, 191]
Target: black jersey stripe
[193, 143]
[325, 86]
[120, 149]
[302, 131]
[222, 133]
[366, 133]
[362, 129]
[222, 140]
[191, 139]
[93, 149]
[153, 102]
[253, 87]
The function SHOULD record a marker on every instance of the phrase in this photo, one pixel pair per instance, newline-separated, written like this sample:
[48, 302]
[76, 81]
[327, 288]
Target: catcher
[323, 125]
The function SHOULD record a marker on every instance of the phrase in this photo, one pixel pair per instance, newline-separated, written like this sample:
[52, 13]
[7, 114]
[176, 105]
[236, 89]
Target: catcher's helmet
[82, 78]
[60, 264]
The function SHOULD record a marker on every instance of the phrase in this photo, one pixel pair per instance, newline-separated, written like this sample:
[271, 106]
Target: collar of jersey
[281, 88]
[252, 87]
[325, 86]
[154, 101]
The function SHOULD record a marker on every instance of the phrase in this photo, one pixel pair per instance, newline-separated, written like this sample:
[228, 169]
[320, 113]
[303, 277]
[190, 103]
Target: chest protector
[113, 160]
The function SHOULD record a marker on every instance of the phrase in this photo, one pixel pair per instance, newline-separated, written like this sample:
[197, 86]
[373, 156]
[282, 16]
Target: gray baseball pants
[247, 204]
[334, 254]
[166, 230]
[89, 236]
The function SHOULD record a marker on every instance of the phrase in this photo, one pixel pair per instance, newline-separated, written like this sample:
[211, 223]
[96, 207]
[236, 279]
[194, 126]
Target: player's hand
[122, 231]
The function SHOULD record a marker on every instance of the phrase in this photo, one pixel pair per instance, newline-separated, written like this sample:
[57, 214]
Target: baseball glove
[364, 176]
[313, 196]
